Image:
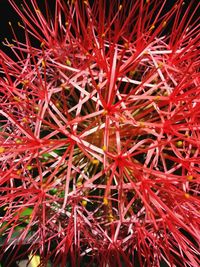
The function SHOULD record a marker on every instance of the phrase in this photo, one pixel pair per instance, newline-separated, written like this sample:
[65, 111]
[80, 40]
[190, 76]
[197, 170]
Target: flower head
[99, 141]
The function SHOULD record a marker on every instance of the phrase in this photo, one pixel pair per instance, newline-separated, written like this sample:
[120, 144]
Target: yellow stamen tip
[16, 98]
[104, 148]
[29, 167]
[164, 24]
[179, 143]
[25, 82]
[132, 72]
[157, 98]
[110, 218]
[152, 27]
[95, 161]
[43, 63]
[18, 141]
[84, 203]
[25, 120]
[42, 44]
[141, 124]
[36, 108]
[57, 104]
[187, 195]
[78, 184]
[190, 177]
[126, 45]
[68, 62]
[2, 149]
[105, 201]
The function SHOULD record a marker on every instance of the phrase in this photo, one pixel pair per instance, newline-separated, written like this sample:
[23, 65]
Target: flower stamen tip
[105, 201]
[2, 149]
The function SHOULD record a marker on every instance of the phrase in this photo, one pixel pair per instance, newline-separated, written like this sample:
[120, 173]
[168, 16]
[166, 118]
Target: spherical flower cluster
[99, 134]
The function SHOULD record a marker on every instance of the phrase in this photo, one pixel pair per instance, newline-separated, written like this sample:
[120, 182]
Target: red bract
[100, 130]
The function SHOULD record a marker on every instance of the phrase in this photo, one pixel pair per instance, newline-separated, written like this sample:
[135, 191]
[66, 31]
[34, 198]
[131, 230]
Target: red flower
[99, 141]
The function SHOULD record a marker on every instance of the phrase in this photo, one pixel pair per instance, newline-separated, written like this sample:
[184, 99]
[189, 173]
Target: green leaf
[26, 212]
[46, 155]
[53, 191]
